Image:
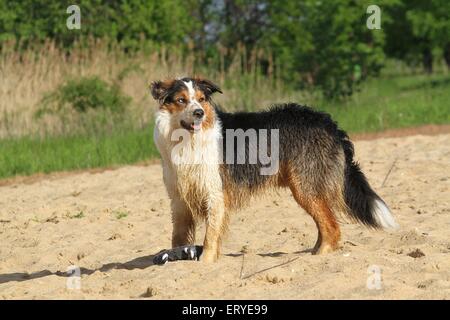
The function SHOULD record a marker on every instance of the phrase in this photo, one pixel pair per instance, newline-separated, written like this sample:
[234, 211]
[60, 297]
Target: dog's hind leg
[329, 231]
[183, 224]
[328, 228]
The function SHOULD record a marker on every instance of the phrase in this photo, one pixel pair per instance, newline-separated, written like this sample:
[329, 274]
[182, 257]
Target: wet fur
[315, 163]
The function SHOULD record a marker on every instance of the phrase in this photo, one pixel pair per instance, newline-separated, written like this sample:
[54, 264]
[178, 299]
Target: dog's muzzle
[196, 124]
[198, 113]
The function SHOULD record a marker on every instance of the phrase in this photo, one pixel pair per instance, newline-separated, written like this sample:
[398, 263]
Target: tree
[324, 43]
[127, 21]
[419, 29]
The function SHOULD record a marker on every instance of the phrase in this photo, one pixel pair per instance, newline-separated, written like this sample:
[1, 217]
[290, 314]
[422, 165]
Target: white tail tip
[383, 216]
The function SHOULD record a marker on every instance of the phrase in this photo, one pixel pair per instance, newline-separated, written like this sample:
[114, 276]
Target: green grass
[394, 102]
[120, 214]
[28, 155]
[79, 215]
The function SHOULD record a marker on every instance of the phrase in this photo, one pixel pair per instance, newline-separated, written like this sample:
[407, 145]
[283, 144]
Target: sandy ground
[109, 224]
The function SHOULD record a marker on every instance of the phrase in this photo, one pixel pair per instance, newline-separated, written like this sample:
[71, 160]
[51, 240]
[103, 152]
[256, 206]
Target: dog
[314, 160]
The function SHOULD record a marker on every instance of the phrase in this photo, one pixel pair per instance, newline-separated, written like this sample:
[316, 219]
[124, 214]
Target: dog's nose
[199, 113]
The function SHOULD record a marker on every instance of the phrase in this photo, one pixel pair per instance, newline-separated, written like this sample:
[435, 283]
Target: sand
[110, 223]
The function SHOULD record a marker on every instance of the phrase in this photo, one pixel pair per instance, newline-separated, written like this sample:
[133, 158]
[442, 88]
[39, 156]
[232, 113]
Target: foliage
[419, 31]
[126, 20]
[309, 43]
[83, 94]
[325, 43]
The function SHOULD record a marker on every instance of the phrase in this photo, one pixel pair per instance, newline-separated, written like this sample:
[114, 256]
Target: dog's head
[187, 100]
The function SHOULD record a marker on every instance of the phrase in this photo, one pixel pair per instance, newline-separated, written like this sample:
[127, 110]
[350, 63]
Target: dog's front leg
[216, 226]
[183, 224]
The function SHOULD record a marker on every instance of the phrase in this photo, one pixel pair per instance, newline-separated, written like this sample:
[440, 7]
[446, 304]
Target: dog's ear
[207, 86]
[160, 90]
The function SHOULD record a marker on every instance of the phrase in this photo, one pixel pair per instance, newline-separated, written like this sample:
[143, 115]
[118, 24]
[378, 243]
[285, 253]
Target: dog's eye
[181, 100]
[202, 99]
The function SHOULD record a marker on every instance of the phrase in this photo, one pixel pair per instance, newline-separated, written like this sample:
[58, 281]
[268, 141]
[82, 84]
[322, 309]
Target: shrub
[83, 94]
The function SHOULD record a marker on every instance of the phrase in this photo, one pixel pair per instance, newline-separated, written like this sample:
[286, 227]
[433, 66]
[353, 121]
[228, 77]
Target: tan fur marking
[174, 107]
[183, 228]
[319, 209]
[216, 228]
[209, 111]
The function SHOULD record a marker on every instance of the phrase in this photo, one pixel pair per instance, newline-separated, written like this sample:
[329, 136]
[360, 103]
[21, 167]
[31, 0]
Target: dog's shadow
[137, 263]
[276, 254]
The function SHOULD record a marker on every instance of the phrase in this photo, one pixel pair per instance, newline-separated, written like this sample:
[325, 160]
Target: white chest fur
[190, 162]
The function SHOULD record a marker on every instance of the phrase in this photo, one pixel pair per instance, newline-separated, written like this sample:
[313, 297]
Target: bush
[83, 94]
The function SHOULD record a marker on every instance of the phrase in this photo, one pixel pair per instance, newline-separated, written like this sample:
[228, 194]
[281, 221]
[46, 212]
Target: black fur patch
[302, 134]
[177, 86]
[312, 142]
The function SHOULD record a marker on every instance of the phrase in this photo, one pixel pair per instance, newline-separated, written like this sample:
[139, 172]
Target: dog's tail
[363, 203]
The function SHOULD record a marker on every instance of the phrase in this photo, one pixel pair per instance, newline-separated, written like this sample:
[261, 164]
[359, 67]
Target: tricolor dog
[314, 159]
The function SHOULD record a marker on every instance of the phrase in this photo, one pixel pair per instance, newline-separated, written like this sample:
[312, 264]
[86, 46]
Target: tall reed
[27, 76]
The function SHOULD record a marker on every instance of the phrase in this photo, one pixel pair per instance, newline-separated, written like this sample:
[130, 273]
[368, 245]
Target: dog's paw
[161, 258]
[189, 252]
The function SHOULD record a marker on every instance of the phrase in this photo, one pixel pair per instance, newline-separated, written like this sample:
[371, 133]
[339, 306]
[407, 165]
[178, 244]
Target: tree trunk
[427, 60]
[447, 55]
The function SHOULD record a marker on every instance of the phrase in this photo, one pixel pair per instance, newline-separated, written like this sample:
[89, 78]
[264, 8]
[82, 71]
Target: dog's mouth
[193, 126]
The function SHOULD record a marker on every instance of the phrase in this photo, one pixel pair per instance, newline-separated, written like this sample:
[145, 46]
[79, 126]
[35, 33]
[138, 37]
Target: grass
[394, 103]
[121, 214]
[79, 215]
[28, 155]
